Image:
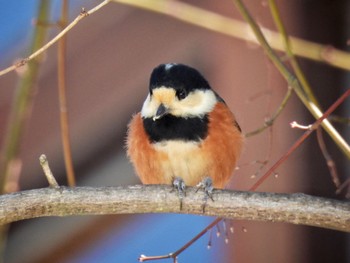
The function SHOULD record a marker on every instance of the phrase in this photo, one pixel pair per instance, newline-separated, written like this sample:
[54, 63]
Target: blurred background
[110, 55]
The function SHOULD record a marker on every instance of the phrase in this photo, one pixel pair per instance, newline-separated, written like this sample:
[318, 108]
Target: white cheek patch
[148, 108]
[207, 104]
[198, 103]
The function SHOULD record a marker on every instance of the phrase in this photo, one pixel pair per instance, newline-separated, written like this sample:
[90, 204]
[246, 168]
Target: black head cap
[177, 76]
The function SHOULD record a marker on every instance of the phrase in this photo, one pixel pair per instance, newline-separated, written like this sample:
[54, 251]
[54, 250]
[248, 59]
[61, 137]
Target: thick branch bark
[290, 208]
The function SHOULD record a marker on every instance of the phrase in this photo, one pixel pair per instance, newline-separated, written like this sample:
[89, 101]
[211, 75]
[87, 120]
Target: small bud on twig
[47, 171]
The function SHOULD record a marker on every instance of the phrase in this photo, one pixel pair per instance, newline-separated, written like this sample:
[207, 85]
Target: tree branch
[38, 52]
[291, 79]
[290, 208]
[22, 102]
[235, 28]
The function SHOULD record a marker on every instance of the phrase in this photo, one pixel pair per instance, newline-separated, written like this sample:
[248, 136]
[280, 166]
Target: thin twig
[174, 255]
[238, 29]
[210, 239]
[314, 126]
[343, 186]
[218, 23]
[264, 163]
[294, 125]
[289, 51]
[47, 171]
[22, 101]
[307, 89]
[329, 160]
[339, 119]
[82, 15]
[269, 122]
[61, 61]
[292, 80]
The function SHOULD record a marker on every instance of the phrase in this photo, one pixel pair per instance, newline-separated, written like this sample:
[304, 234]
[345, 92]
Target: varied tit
[185, 134]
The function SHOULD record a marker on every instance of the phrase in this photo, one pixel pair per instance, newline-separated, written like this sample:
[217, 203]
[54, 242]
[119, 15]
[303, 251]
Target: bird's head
[178, 90]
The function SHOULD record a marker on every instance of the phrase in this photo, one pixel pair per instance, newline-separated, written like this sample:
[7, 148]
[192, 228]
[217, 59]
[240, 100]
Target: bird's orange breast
[215, 156]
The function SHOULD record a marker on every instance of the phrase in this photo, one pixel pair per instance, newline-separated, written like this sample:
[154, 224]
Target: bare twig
[264, 163]
[340, 119]
[22, 102]
[238, 29]
[47, 171]
[82, 15]
[291, 208]
[294, 125]
[174, 255]
[292, 80]
[269, 122]
[289, 51]
[314, 126]
[345, 185]
[61, 61]
[329, 160]
[215, 22]
[307, 89]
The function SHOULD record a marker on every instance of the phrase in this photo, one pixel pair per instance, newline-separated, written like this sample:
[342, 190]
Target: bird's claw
[180, 187]
[207, 185]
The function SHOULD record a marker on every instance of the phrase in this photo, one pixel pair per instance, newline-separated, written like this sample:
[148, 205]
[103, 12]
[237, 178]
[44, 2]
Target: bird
[185, 134]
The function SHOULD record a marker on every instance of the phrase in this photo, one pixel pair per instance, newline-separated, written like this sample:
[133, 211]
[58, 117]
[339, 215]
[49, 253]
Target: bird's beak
[161, 111]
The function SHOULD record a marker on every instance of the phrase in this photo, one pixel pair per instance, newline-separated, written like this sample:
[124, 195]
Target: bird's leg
[179, 185]
[207, 185]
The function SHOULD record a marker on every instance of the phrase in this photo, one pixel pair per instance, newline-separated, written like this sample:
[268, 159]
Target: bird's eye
[181, 94]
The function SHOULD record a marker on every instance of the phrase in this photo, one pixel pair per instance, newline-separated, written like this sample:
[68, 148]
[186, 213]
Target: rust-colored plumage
[184, 130]
[215, 156]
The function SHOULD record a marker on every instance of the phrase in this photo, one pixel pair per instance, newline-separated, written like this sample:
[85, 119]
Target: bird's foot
[207, 185]
[180, 187]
